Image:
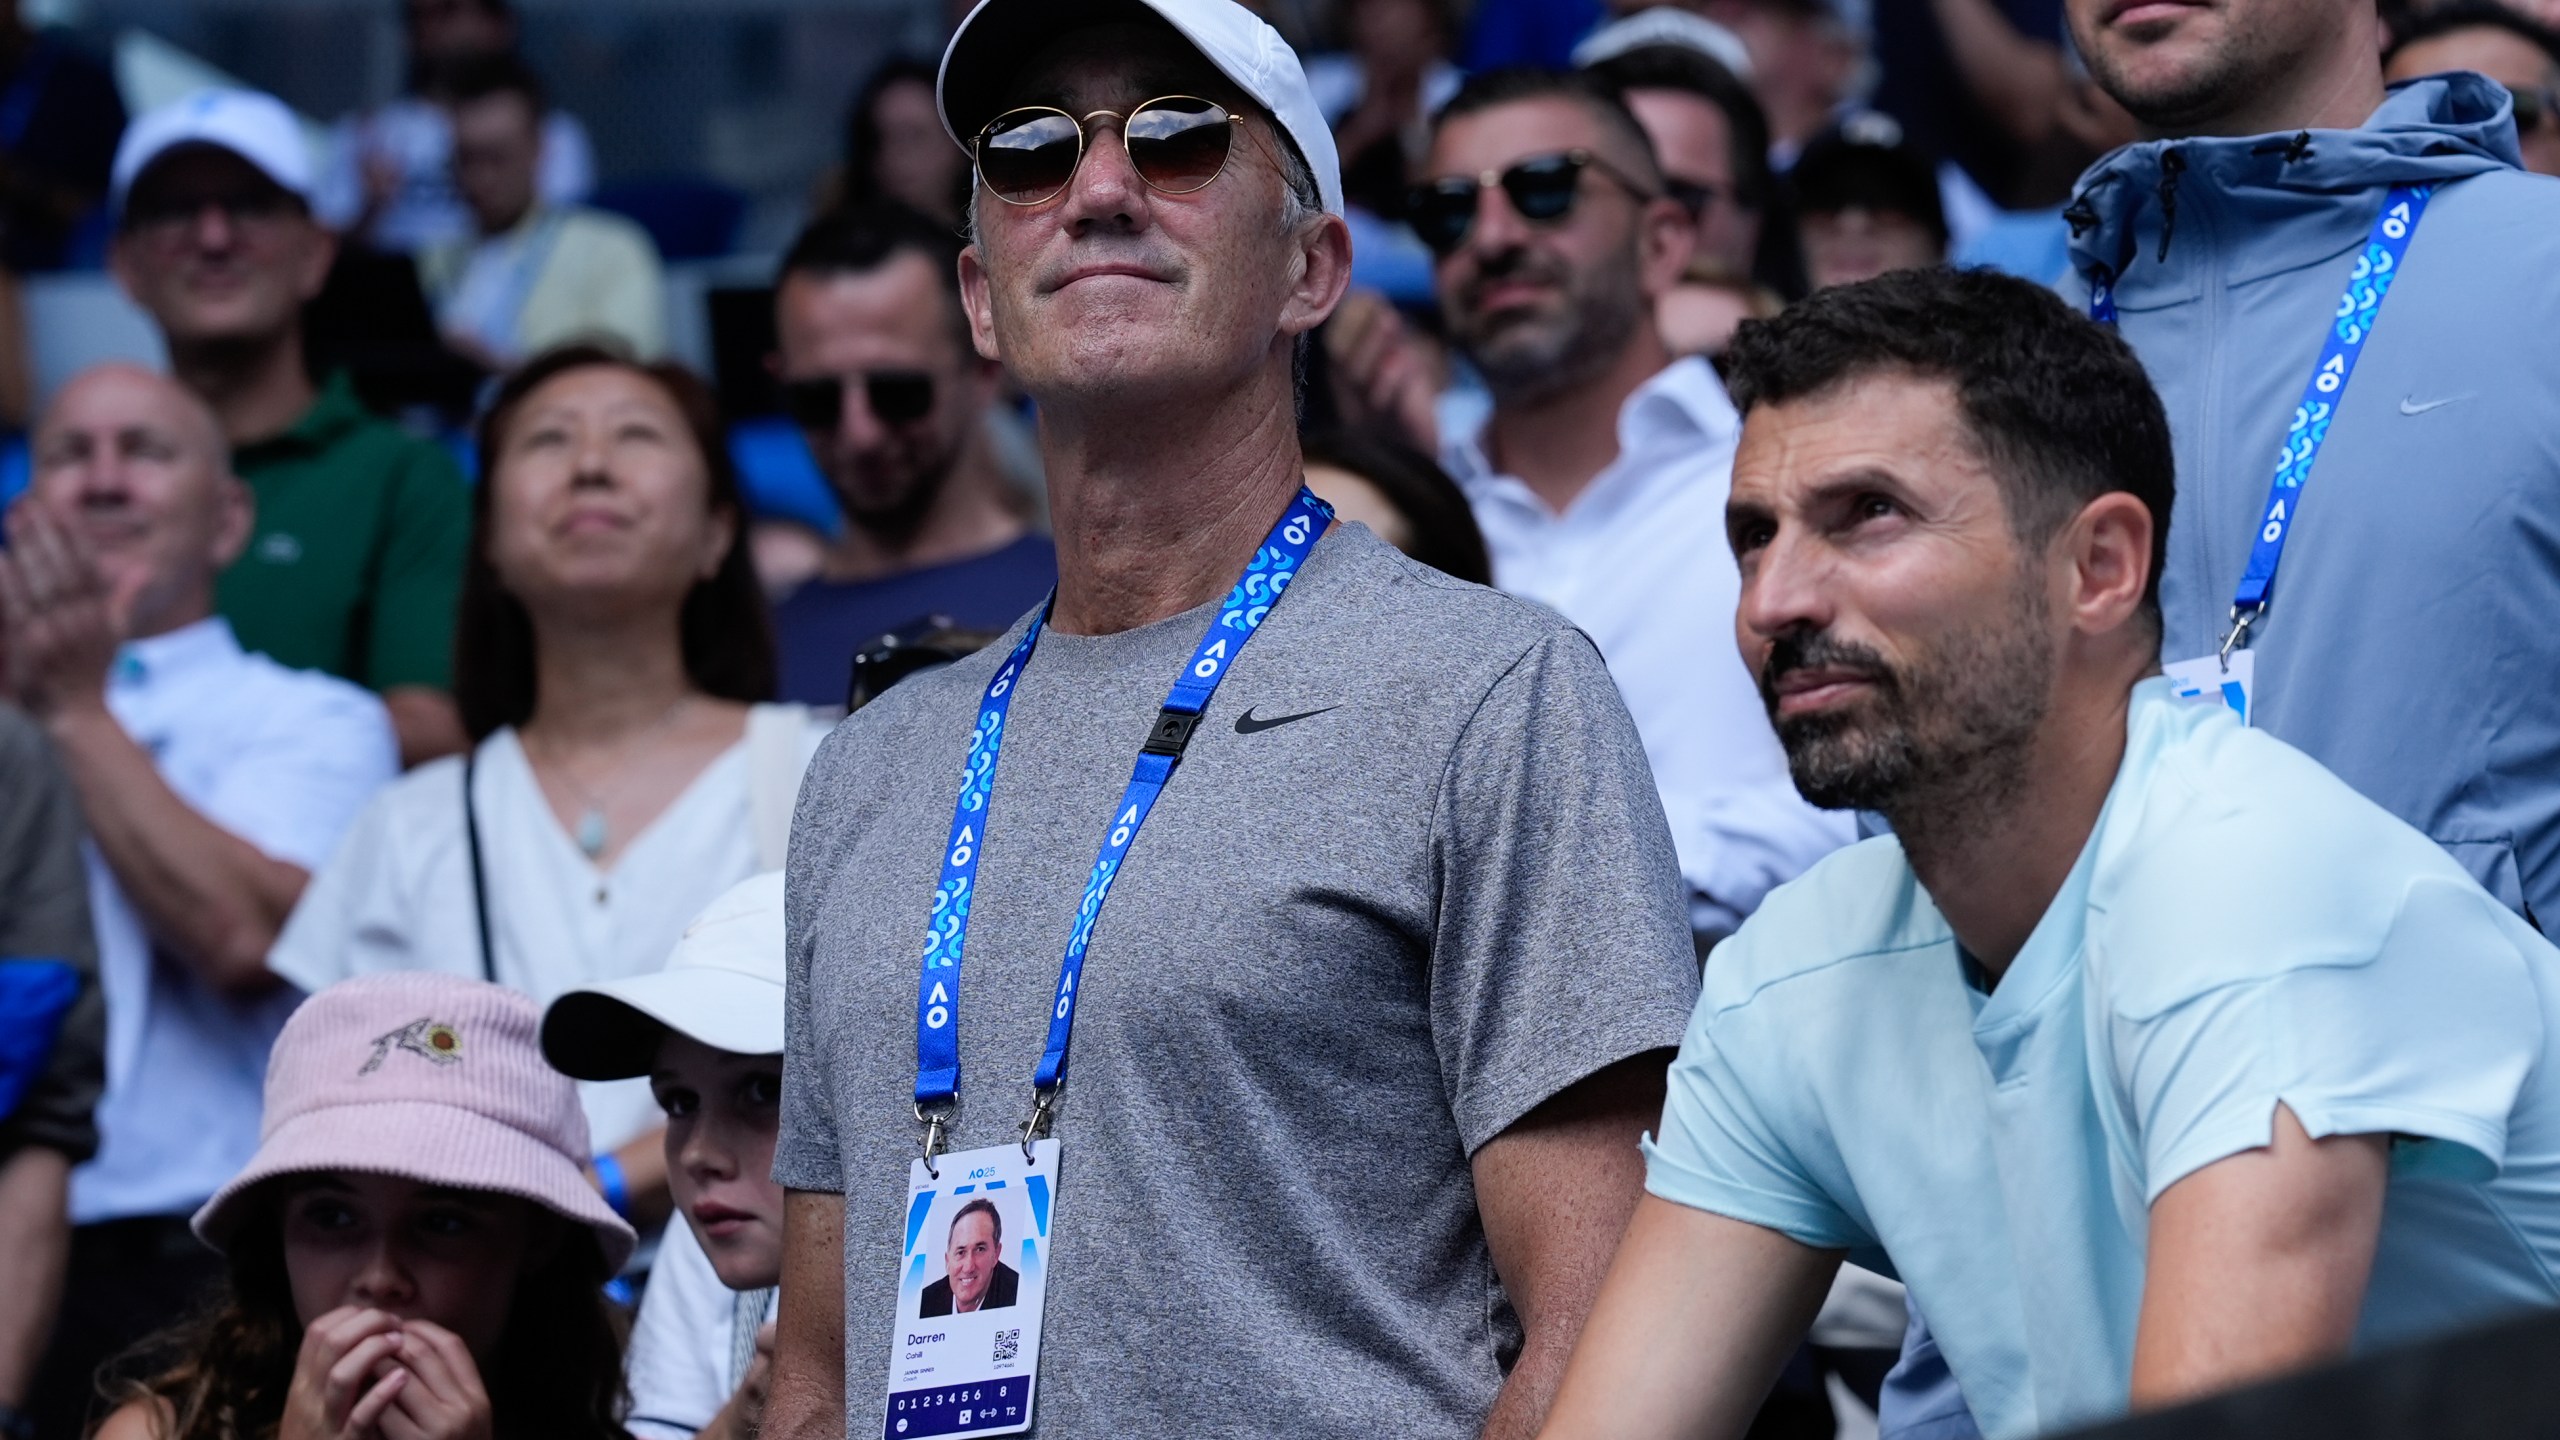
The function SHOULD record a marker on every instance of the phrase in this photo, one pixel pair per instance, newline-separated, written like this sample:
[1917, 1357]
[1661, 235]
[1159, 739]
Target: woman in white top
[612, 645]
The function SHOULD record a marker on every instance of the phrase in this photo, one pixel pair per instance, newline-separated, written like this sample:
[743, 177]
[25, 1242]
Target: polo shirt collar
[159, 658]
[333, 413]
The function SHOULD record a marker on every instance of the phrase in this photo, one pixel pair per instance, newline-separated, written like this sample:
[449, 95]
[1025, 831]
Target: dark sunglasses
[1695, 196]
[171, 211]
[1543, 188]
[1177, 144]
[898, 397]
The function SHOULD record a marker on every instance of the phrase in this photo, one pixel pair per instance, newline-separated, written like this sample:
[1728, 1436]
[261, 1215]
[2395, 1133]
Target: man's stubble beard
[2230, 75]
[1602, 312]
[1942, 745]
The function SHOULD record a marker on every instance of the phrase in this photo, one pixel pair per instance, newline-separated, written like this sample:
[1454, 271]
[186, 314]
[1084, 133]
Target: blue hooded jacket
[2412, 642]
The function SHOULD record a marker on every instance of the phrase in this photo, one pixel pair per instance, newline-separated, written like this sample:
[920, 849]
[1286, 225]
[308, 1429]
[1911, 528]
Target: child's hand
[345, 1377]
[444, 1399]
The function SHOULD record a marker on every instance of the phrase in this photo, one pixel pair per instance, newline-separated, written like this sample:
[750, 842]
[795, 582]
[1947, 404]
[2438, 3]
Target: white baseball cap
[722, 986]
[1663, 25]
[990, 47]
[251, 124]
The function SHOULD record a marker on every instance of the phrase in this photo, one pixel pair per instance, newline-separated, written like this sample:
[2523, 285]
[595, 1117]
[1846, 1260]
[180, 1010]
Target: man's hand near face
[61, 625]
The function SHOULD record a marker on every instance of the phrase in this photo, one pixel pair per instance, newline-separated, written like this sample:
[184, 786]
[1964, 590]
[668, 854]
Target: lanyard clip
[1037, 1127]
[2241, 620]
[935, 1136]
[1171, 734]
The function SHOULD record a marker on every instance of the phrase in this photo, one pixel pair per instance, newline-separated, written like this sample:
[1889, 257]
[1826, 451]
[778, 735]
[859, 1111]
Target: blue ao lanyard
[2377, 265]
[938, 988]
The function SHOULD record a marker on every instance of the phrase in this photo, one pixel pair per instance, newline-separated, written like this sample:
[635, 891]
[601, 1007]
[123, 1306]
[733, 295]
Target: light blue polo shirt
[2240, 929]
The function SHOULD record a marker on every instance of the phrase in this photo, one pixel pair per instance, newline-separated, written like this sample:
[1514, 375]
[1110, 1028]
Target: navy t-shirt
[821, 624]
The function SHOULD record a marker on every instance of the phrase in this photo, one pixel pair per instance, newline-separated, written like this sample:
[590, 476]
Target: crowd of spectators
[413, 685]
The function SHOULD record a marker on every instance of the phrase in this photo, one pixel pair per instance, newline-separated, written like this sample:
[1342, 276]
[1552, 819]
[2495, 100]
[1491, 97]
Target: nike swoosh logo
[1247, 725]
[2412, 406]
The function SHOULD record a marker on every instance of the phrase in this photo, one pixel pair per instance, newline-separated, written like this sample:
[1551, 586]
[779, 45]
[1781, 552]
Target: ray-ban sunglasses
[1176, 143]
[1542, 188]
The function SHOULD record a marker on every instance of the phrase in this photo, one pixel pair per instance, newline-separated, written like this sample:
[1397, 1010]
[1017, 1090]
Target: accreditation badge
[2211, 678]
[971, 1283]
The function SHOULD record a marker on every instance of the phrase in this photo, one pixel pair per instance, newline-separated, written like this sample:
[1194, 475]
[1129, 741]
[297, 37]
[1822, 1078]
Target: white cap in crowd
[722, 986]
[251, 124]
[992, 45]
[1663, 25]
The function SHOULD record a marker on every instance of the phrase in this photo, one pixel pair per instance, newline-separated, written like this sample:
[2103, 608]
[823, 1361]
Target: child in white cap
[707, 1032]
[414, 1249]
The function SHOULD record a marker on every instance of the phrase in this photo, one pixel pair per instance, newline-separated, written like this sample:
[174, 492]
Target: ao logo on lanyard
[965, 1355]
[2230, 673]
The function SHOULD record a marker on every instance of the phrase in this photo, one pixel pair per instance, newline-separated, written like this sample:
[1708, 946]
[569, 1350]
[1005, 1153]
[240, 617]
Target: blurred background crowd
[312, 310]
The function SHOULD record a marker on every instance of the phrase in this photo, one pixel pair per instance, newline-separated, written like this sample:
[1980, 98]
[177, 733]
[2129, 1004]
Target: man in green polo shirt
[361, 527]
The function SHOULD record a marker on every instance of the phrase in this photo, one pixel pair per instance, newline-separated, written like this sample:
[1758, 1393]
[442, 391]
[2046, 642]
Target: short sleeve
[806, 1154]
[1723, 1151]
[2427, 1033]
[44, 916]
[321, 752]
[1561, 944]
[677, 1364]
[420, 578]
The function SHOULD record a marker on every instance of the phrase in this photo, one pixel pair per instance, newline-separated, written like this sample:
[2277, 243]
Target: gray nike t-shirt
[1345, 952]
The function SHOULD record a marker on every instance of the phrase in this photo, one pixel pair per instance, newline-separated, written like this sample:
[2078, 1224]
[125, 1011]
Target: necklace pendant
[591, 832]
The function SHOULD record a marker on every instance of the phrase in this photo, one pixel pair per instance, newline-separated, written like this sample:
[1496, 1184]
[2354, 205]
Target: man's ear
[2108, 546]
[1323, 274]
[235, 517]
[977, 298]
[1666, 238]
[321, 254]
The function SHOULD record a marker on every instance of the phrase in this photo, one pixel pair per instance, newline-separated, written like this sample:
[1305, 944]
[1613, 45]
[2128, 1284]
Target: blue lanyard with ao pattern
[2377, 265]
[1274, 564]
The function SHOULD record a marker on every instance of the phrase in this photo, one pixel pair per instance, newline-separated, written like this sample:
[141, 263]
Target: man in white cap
[361, 527]
[1375, 1010]
[707, 1033]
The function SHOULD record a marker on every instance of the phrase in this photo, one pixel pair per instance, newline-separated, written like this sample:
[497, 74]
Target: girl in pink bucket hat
[416, 1253]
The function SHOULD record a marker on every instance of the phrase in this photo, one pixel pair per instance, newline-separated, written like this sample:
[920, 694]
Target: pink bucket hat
[434, 1078]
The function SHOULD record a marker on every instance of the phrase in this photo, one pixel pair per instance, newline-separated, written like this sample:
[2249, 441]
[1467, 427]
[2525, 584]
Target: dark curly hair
[2057, 404]
[558, 1376]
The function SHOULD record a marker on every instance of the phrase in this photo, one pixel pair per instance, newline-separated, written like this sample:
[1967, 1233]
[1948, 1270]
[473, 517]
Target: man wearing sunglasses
[876, 367]
[2495, 40]
[1366, 1032]
[1600, 479]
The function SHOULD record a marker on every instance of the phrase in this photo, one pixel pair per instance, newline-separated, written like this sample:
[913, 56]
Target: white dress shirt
[1640, 562]
[284, 759]
[397, 895]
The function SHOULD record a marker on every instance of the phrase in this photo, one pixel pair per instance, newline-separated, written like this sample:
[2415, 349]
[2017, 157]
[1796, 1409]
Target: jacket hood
[2130, 209]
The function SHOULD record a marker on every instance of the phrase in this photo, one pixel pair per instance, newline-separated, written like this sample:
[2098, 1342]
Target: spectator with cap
[1866, 202]
[53, 1038]
[533, 274]
[707, 1034]
[2511, 48]
[387, 181]
[1809, 59]
[1600, 479]
[359, 527]
[412, 1250]
[1335, 948]
[613, 654]
[876, 366]
[213, 782]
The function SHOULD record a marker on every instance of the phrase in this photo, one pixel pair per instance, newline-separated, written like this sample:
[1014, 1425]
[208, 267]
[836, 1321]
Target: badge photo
[972, 1281]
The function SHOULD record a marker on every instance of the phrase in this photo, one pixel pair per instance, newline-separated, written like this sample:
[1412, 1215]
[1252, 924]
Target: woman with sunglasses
[612, 649]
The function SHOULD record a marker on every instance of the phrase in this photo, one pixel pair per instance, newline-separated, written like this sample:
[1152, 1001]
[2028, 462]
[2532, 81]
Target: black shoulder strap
[479, 877]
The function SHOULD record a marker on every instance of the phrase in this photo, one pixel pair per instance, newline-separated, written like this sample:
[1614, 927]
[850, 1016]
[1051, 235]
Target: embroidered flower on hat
[434, 1039]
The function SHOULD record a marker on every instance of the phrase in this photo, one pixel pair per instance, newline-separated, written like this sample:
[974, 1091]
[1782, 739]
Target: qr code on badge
[1008, 1344]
